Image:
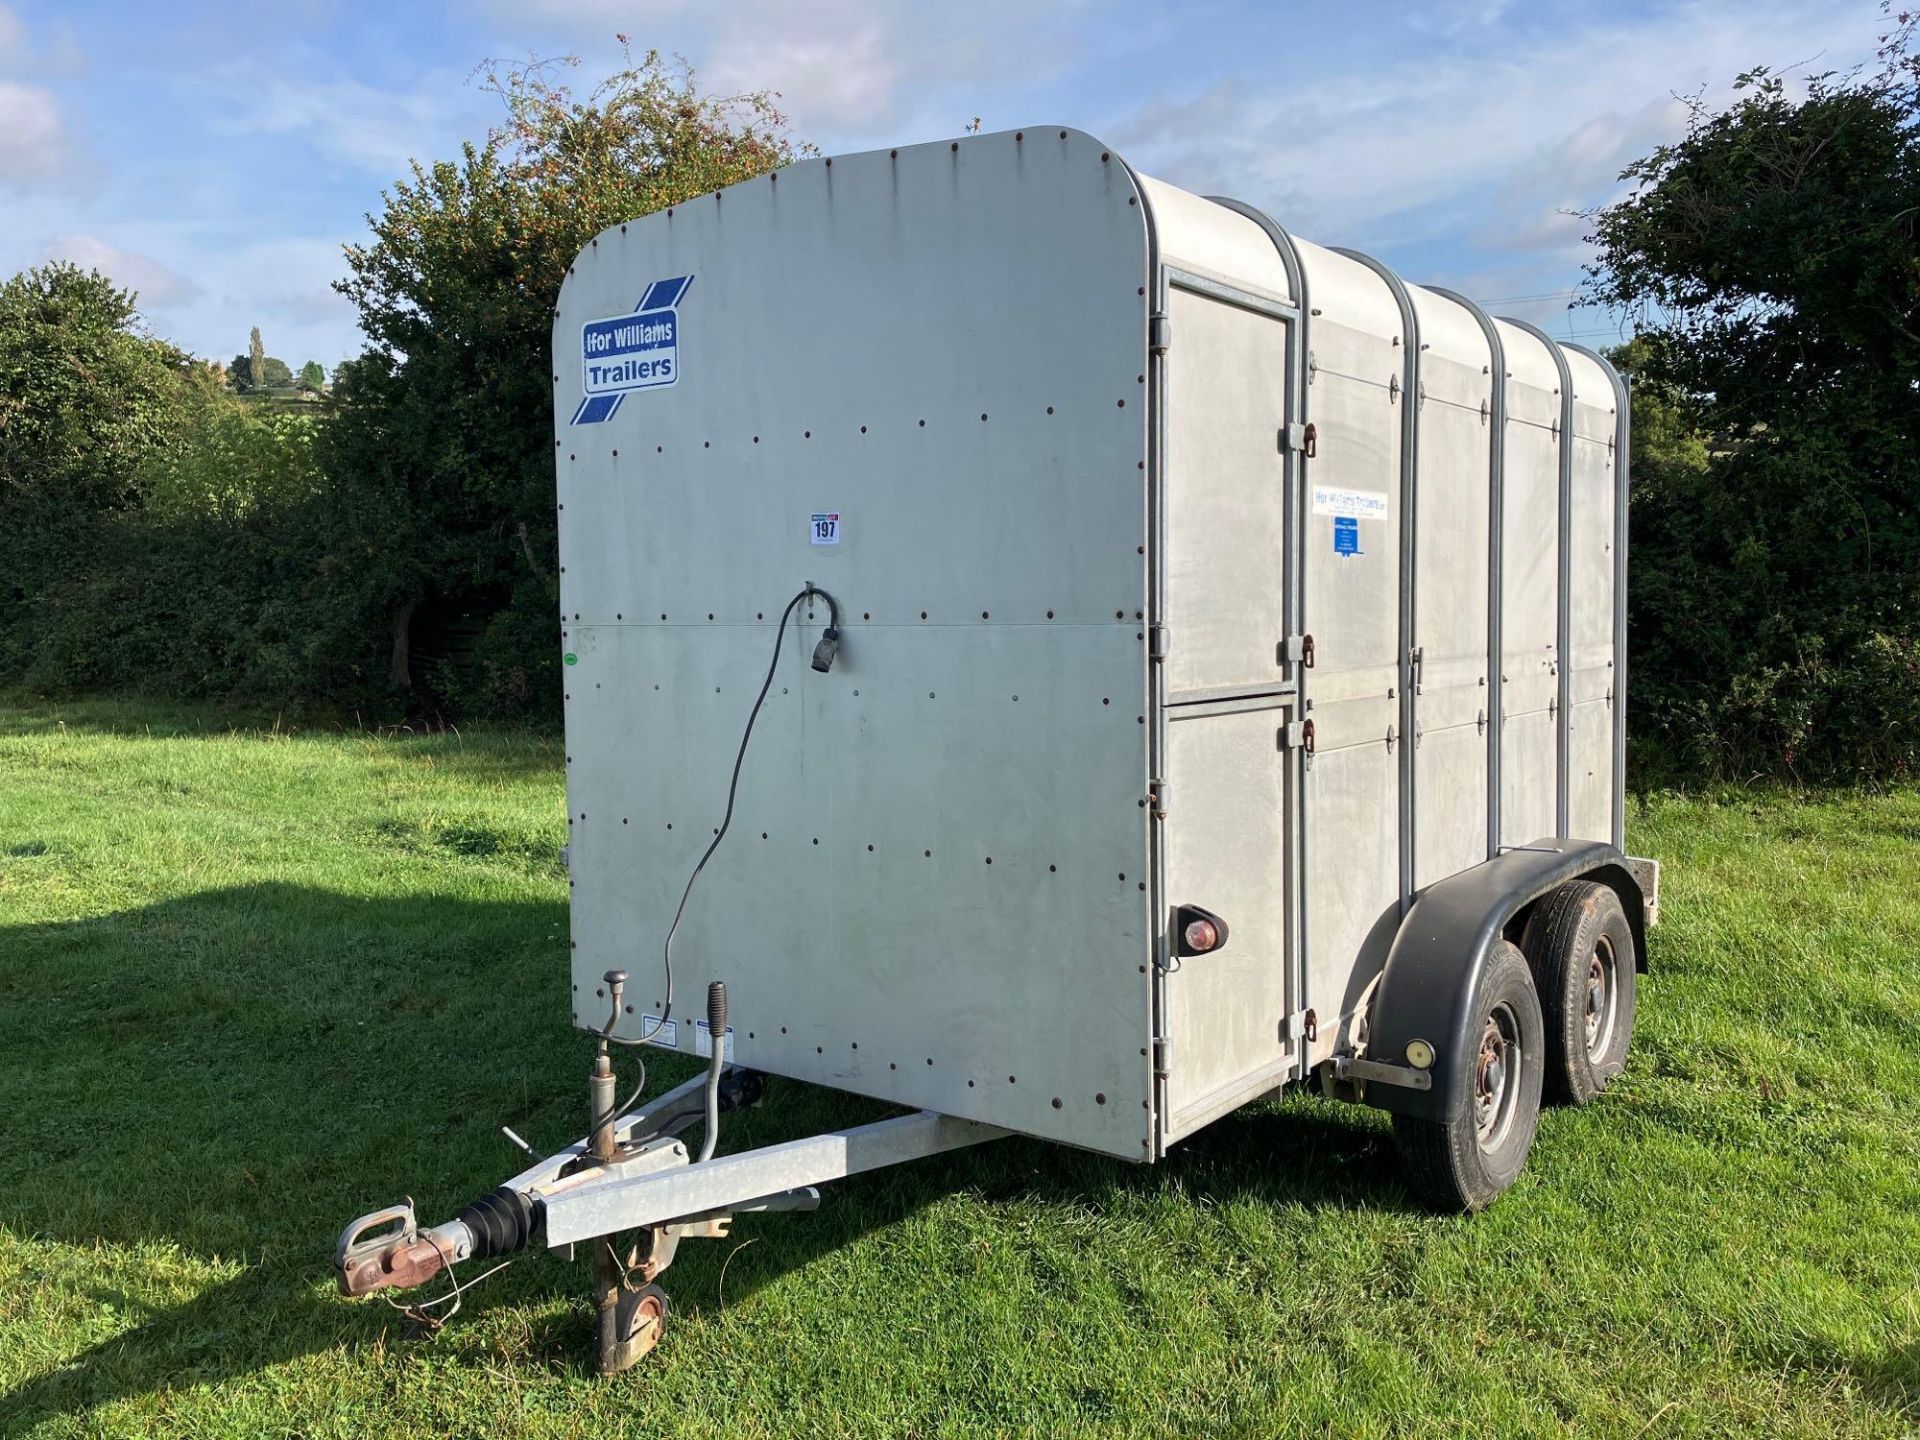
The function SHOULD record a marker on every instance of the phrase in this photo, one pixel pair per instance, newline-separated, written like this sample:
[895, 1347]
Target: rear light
[1200, 936]
[1197, 931]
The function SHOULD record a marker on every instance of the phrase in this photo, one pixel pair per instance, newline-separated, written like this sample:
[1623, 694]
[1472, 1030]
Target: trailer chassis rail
[644, 1184]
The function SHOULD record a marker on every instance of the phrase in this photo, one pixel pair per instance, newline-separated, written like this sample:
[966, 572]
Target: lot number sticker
[824, 528]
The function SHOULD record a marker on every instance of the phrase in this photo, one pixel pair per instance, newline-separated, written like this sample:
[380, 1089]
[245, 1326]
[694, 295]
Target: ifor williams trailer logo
[624, 353]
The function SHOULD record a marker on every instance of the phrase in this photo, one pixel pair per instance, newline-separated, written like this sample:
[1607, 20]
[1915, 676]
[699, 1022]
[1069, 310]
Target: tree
[275, 374]
[1770, 257]
[313, 377]
[256, 359]
[440, 444]
[85, 397]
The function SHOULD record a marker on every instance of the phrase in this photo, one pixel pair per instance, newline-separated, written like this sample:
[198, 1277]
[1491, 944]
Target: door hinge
[1293, 437]
[1159, 332]
[1162, 1056]
[1157, 798]
[1157, 642]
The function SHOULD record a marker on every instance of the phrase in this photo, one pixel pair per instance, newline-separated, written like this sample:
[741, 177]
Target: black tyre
[1464, 1161]
[1581, 949]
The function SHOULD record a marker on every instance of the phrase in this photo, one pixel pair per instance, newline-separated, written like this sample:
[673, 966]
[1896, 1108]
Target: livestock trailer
[1104, 659]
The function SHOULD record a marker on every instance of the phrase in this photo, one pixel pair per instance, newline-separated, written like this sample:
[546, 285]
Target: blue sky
[217, 156]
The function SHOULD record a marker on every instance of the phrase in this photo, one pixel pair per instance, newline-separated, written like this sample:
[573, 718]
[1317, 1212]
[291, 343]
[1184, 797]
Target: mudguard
[1427, 988]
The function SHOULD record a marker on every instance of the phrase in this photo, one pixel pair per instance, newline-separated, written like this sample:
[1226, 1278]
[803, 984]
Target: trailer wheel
[1464, 1161]
[1581, 949]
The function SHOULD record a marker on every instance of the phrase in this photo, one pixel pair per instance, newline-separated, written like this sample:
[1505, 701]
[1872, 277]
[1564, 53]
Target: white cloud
[33, 143]
[159, 287]
[13, 36]
[843, 77]
[355, 124]
[1541, 124]
[844, 70]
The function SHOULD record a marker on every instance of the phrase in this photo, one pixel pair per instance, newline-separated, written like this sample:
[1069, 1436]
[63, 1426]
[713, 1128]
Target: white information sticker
[824, 528]
[703, 1039]
[652, 1029]
[1361, 504]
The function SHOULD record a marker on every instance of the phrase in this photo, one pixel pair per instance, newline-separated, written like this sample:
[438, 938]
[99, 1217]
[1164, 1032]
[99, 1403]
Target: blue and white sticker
[1346, 535]
[636, 351]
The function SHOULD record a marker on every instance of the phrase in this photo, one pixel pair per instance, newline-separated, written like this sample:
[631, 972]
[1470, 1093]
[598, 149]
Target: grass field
[254, 983]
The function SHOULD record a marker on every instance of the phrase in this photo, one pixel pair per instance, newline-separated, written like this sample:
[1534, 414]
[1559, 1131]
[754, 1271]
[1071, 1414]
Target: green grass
[254, 983]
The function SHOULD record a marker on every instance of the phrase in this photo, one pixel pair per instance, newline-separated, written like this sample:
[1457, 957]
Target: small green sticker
[571, 658]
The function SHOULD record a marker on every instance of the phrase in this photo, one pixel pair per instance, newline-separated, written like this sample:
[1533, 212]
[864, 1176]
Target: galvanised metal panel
[1350, 559]
[1590, 659]
[1208, 239]
[1529, 575]
[1226, 500]
[1226, 851]
[1598, 384]
[1450, 606]
[1227, 817]
[944, 347]
[1599, 618]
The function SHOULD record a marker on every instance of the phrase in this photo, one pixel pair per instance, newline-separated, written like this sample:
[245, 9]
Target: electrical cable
[823, 657]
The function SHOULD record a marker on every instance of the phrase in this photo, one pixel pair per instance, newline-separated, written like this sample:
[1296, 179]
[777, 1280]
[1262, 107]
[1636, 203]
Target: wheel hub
[1496, 1078]
[1601, 992]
